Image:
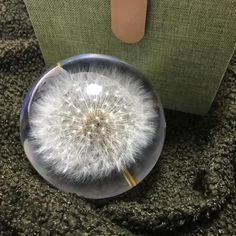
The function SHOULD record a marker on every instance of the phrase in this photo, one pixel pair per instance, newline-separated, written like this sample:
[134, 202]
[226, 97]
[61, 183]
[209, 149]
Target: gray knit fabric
[191, 191]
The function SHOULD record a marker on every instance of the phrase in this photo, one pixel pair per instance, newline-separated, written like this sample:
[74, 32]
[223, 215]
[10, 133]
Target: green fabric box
[185, 51]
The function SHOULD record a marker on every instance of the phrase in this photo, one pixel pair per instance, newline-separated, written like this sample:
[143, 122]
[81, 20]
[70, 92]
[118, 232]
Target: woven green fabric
[185, 51]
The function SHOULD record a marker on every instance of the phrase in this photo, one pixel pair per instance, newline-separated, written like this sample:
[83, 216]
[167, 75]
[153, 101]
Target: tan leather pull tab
[128, 18]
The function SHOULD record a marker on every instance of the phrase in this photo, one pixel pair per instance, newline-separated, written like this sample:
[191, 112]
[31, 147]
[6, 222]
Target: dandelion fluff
[88, 124]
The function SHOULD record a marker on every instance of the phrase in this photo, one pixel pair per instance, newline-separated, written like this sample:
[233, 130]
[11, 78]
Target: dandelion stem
[129, 178]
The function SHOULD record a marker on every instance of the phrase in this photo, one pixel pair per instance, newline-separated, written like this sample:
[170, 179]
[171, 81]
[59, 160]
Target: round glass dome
[92, 125]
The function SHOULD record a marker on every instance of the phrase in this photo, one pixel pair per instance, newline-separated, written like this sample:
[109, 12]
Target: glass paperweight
[92, 125]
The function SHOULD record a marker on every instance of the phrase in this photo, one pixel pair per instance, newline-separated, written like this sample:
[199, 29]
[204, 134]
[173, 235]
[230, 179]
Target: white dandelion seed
[88, 124]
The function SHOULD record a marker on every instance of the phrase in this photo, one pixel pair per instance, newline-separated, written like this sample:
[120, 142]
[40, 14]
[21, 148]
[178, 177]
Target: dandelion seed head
[88, 124]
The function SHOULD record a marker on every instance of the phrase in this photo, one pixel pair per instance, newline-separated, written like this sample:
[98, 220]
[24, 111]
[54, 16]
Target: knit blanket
[191, 190]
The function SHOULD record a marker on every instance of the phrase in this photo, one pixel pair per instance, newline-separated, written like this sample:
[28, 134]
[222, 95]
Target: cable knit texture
[191, 191]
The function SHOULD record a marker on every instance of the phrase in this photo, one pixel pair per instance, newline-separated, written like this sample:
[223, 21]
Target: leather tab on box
[128, 19]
